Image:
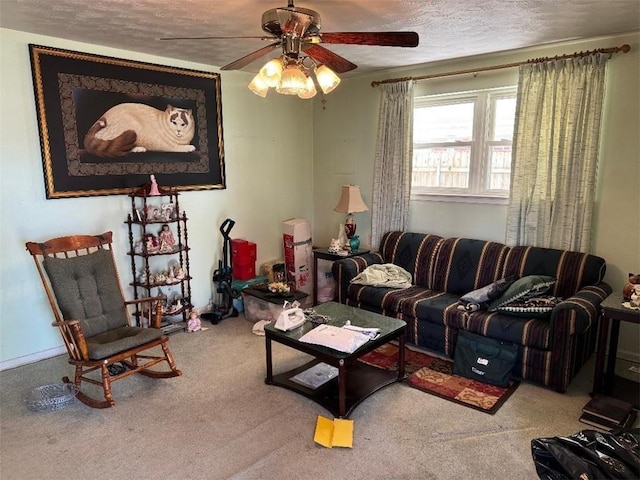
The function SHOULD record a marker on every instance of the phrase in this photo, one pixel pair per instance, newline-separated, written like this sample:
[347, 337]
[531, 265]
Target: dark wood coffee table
[355, 380]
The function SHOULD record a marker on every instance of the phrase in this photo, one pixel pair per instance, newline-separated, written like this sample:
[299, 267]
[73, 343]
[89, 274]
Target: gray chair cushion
[86, 288]
[118, 340]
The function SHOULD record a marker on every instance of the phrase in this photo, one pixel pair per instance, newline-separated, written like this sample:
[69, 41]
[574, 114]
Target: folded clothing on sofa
[386, 275]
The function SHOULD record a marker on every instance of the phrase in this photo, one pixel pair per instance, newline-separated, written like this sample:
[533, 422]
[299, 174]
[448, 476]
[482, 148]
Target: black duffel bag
[588, 455]
[484, 359]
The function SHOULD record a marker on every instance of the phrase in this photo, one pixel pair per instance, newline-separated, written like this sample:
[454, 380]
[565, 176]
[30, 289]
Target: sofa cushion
[536, 307]
[529, 332]
[436, 307]
[572, 270]
[523, 289]
[464, 264]
[389, 301]
[415, 252]
[482, 296]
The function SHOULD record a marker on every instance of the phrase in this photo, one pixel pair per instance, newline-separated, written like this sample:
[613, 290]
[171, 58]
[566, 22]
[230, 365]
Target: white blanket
[385, 275]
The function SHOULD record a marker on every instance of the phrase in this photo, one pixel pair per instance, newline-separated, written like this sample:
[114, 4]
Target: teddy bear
[631, 286]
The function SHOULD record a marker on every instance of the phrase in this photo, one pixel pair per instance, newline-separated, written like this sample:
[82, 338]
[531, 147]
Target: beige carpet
[221, 421]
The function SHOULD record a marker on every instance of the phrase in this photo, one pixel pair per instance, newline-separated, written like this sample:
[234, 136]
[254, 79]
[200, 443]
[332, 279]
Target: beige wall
[284, 158]
[268, 182]
[345, 135]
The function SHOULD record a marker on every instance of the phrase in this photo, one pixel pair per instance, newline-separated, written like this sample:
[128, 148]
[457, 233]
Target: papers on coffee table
[341, 339]
[370, 332]
[315, 376]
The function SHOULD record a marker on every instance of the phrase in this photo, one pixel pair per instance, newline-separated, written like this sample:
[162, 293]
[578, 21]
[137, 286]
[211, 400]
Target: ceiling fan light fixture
[327, 79]
[310, 91]
[271, 72]
[293, 81]
[258, 86]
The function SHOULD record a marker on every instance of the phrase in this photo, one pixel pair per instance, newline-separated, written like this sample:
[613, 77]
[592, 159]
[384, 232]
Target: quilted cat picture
[136, 127]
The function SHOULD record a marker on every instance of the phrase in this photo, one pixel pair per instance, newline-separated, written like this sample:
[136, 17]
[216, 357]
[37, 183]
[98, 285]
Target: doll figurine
[194, 324]
[166, 237]
[153, 189]
[151, 243]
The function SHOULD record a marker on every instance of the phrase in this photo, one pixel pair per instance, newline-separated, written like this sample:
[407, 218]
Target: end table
[606, 381]
[322, 253]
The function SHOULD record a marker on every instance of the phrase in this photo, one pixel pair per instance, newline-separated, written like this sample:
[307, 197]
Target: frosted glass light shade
[292, 82]
[310, 90]
[271, 72]
[327, 79]
[258, 86]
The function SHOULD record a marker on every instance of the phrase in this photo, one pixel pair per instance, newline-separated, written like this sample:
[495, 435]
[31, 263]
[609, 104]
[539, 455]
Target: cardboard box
[244, 272]
[298, 253]
[243, 252]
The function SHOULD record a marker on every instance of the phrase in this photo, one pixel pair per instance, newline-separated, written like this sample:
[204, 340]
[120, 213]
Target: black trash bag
[588, 455]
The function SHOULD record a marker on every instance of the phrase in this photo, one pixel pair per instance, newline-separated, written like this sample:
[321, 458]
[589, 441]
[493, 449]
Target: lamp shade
[350, 200]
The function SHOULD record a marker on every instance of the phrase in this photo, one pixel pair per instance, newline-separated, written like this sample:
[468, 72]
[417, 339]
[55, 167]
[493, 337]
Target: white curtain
[394, 150]
[555, 153]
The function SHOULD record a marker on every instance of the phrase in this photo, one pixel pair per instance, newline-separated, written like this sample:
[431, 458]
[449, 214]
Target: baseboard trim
[628, 356]
[32, 358]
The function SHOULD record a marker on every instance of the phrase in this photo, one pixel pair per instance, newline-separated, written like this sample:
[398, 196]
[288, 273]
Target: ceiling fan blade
[218, 38]
[247, 59]
[293, 22]
[332, 60]
[385, 39]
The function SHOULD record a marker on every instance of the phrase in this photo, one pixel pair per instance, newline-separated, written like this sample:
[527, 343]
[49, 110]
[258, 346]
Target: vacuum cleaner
[223, 279]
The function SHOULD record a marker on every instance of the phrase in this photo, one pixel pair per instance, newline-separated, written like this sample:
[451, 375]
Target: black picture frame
[73, 90]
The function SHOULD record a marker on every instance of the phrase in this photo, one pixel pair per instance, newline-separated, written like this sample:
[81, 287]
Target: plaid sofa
[551, 351]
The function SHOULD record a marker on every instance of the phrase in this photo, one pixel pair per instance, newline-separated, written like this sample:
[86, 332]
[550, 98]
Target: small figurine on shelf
[167, 241]
[151, 243]
[168, 212]
[335, 246]
[179, 273]
[142, 276]
[152, 213]
[175, 306]
[153, 189]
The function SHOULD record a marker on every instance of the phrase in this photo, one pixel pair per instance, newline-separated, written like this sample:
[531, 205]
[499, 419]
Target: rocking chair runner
[84, 291]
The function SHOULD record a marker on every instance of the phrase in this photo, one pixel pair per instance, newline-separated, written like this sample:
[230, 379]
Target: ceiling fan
[297, 31]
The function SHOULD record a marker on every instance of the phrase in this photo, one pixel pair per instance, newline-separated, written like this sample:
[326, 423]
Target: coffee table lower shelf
[361, 381]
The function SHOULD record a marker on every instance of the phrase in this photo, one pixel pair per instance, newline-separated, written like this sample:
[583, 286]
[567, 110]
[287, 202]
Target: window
[462, 144]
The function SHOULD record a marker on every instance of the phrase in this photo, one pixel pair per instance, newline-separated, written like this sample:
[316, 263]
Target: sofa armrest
[578, 313]
[345, 269]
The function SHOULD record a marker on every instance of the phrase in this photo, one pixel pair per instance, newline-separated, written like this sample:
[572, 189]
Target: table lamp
[350, 202]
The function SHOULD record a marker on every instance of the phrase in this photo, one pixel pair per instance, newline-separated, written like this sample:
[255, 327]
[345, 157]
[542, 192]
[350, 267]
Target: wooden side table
[606, 381]
[322, 253]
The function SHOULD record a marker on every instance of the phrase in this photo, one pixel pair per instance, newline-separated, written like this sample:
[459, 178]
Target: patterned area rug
[435, 376]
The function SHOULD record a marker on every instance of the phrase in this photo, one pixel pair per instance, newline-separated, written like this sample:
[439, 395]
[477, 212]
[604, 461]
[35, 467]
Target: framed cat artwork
[106, 124]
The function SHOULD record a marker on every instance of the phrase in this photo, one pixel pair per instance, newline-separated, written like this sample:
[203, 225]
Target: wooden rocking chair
[84, 291]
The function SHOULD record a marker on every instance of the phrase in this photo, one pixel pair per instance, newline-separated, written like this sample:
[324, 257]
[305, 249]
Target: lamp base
[350, 226]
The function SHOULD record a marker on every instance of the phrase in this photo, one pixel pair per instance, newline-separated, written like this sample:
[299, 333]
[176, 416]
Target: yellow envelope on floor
[334, 433]
[342, 433]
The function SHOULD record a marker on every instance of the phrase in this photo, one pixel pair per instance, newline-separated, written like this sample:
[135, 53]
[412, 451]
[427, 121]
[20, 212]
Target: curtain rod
[624, 49]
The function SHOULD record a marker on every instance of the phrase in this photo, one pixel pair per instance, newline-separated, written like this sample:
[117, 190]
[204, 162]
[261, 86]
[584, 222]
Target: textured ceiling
[447, 28]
